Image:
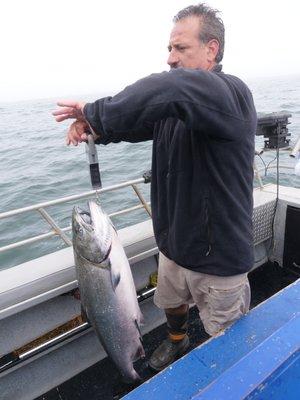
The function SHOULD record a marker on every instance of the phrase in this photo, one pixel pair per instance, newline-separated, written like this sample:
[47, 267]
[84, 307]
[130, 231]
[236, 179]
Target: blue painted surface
[283, 384]
[250, 375]
[255, 332]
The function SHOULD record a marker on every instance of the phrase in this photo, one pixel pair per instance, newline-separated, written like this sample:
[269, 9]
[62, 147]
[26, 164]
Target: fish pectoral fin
[115, 278]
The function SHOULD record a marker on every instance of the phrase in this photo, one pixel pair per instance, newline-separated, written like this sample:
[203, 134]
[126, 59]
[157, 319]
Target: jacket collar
[217, 68]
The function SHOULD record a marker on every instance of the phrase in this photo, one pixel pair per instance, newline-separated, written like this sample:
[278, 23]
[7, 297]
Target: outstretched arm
[203, 100]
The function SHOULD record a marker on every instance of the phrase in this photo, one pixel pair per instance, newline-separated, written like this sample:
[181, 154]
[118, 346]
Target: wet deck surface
[102, 380]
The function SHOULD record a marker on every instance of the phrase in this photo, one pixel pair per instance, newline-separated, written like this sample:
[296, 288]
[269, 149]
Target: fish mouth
[92, 230]
[84, 218]
[89, 219]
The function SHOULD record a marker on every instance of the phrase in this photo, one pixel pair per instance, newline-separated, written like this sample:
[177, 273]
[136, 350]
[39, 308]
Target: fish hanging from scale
[107, 289]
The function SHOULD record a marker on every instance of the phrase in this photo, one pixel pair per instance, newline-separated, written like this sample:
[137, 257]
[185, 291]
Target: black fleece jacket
[202, 124]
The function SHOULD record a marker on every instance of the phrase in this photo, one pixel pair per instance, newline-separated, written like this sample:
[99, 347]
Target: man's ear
[212, 49]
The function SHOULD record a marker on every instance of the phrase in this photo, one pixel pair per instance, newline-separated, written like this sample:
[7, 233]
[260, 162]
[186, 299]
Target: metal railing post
[256, 173]
[142, 200]
[55, 227]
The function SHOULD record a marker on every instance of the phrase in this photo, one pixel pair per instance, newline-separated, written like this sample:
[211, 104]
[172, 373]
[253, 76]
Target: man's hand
[69, 109]
[77, 131]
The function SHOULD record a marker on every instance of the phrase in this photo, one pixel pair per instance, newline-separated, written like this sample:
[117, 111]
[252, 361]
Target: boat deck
[102, 380]
[257, 358]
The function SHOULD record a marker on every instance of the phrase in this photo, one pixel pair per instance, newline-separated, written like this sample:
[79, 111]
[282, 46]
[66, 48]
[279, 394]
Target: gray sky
[55, 48]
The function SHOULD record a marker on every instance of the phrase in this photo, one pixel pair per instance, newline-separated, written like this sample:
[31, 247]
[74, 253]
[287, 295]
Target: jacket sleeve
[199, 98]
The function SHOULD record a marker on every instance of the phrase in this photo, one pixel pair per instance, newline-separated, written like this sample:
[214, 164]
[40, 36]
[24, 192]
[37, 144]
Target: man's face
[185, 48]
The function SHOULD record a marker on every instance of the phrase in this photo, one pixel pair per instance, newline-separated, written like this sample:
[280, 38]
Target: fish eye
[80, 231]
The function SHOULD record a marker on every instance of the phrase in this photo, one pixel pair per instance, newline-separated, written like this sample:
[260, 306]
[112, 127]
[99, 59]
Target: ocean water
[37, 166]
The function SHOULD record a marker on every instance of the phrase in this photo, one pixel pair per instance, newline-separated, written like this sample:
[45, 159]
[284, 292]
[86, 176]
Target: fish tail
[132, 376]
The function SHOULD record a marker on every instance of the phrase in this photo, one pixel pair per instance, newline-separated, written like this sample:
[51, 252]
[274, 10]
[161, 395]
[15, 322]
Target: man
[202, 123]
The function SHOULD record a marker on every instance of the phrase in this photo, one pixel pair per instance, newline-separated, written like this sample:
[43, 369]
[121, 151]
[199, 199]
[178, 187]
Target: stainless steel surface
[262, 222]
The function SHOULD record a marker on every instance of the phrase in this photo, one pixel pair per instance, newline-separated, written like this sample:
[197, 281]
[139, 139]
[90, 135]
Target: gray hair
[212, 25]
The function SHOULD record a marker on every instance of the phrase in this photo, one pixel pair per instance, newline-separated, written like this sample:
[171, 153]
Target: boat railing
[258, 171]
[56, 230]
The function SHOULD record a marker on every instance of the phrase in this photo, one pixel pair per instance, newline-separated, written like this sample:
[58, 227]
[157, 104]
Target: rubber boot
[175, 345]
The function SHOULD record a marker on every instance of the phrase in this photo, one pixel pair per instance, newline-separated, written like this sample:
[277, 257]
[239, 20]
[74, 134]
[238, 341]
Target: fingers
[64, 110]
[64, 113]
[63, 117]
[67, 103]
[69, 109]
[76, 133]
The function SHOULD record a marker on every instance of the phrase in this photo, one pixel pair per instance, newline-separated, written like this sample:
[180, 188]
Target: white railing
[57, 231]
[60, 232]
[257, 172]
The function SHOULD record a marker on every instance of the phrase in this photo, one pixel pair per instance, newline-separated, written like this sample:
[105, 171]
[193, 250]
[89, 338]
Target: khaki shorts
[220, 299]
